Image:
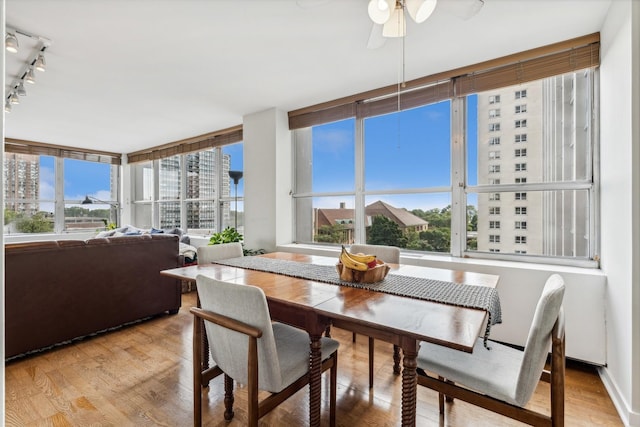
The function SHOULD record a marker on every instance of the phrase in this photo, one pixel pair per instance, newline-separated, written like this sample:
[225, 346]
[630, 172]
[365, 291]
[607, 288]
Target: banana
[349, 262]
[363, 258]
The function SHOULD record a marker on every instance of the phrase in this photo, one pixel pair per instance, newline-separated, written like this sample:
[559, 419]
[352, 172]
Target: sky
[408, 150]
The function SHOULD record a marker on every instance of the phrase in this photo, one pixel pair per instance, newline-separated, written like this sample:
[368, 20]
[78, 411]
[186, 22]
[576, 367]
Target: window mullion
[360, 226]
[458, 177]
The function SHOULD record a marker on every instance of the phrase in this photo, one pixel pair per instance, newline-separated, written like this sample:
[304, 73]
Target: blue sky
[402, 151]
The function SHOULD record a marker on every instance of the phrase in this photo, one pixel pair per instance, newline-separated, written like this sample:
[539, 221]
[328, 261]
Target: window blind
[40, 148]
[534, 64]
[189, 145]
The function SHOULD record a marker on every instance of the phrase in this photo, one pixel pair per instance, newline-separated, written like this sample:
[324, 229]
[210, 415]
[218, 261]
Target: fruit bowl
[372, 275]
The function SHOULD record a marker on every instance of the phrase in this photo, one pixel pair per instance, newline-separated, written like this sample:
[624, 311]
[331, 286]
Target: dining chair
[501, 378]
[388, 254]
[249, 349]
[210, 253]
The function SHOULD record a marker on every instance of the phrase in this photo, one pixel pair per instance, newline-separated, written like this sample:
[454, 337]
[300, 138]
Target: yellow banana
[363, 258]
[349, 262]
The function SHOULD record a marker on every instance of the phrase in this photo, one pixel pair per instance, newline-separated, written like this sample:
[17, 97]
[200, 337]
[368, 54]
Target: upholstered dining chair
[388, 254]
[250, 349]
[210, 253]
[502, 379]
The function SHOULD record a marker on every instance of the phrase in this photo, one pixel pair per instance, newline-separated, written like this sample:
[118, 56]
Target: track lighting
[11, 43]
[14, 99]
[20, 90]
[7, 107]
[40, 63]
[30, 77]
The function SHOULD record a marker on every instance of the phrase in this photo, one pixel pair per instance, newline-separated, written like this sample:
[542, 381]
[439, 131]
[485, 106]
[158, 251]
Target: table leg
[315, 380]
[409, 384]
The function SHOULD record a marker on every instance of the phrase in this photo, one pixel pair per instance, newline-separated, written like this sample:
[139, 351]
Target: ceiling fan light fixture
[11, 43]
[420, 10]
[380, 10]
[40, 63]
[396, 26]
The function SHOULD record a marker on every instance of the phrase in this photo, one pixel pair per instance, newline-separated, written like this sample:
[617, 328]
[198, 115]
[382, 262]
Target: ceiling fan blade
[463, 9]
[376, 39]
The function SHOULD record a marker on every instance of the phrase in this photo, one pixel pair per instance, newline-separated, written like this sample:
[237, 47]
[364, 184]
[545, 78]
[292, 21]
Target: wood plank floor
[141, 376]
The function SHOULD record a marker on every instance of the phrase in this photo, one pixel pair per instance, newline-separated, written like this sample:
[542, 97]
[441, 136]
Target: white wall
[267, 173]
[619, 195]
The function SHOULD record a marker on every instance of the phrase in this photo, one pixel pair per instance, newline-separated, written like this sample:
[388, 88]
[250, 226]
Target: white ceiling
[123, 75]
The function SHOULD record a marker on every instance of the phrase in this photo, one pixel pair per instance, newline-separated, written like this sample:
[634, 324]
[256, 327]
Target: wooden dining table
[403, 321]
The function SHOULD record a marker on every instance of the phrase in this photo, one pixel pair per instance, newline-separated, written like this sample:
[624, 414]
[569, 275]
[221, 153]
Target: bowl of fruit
[360, 268]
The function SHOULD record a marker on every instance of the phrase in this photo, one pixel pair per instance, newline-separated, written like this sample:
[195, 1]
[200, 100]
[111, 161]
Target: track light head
[40, 63]
[7, 107]
[14, 99]
[20, 90]
[30, 77]
[11, 43]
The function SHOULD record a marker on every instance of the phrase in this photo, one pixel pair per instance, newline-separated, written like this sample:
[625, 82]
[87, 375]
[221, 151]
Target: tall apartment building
[22, 182]
[534, 133]
[201, 189]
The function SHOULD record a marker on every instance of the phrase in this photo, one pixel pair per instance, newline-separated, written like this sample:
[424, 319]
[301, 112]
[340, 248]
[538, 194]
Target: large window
[201, 192]
[47, 194]
[396, 175]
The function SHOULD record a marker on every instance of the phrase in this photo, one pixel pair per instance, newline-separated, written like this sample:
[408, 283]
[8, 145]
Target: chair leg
[353, 338]
[327, 331]
[197, 372]
[371, 351]
[228, 398]
[333, 378]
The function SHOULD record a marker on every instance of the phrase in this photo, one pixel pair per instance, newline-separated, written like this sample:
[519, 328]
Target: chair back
[389, 254]
[547, 312]
[229, 349]
[210, 253]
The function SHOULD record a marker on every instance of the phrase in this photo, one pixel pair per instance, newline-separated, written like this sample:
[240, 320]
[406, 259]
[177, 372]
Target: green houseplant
[230, 235]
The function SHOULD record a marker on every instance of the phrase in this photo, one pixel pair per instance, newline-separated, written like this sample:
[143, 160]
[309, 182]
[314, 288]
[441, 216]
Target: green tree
[384, 231]
[437, 239]
[331, 234]
[37, 223]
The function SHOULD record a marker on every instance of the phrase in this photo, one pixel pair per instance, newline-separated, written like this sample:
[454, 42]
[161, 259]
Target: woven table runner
[479, 297]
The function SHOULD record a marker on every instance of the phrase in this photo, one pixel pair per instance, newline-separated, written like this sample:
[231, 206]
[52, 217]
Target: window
[521, 108]
[493, 113]
[494, 250]
[521, 225]
[35, 185]
[494, 238]
[521, 240]
[403, 162]
[494, 127]
[519, 251]
[521, 123]
[192, 191]
[494, 99]
[521, 167]
[494, 224]
[521, 94]
[521, 210]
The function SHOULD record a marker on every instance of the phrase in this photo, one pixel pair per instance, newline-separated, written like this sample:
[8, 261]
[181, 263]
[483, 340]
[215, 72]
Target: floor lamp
[236, 176]
[89, 200]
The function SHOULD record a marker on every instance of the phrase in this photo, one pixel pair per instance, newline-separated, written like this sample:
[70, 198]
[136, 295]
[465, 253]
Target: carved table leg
[228, 397]
[409, 384]
[396, 359]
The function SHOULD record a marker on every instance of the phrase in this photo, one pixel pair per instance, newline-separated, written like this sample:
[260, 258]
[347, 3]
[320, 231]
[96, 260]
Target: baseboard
[627, 415]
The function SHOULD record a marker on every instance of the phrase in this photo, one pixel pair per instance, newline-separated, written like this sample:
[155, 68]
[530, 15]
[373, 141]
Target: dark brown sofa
[57, 291]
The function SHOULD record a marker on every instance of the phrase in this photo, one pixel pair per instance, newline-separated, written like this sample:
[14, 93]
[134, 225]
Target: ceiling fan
[389, 16]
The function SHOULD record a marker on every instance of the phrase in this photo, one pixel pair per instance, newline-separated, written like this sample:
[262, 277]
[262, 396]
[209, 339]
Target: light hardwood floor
[141, 376]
